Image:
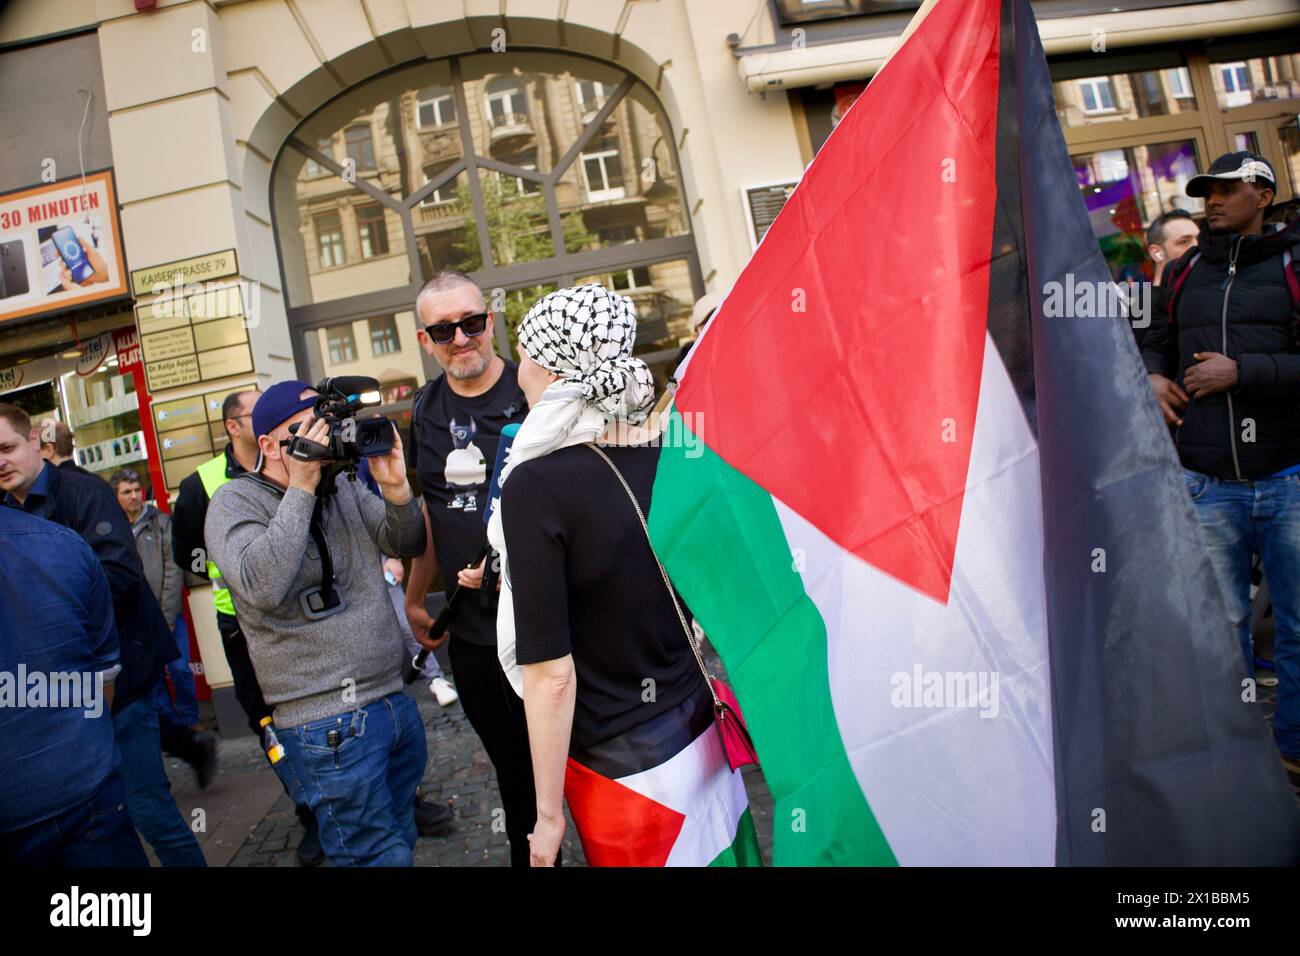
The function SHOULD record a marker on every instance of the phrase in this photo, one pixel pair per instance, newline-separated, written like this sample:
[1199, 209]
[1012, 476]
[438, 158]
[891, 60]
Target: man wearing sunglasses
[456, 422]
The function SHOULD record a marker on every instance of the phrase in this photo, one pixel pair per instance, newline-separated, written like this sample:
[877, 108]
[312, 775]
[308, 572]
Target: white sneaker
[443, 692]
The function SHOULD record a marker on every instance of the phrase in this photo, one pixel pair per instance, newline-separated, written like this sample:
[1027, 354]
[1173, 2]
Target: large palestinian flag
[942, 542]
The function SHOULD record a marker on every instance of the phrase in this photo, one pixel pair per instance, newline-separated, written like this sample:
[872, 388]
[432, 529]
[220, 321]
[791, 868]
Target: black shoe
[310, 852]
[205, 768]
[432, 819]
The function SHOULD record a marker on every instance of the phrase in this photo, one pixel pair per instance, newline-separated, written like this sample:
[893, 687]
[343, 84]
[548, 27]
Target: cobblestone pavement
[459, 774]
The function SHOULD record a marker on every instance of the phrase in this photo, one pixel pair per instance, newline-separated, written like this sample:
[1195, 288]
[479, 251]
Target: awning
[782, 68]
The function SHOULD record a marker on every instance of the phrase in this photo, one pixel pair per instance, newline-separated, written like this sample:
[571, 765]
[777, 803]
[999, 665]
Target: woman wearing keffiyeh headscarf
[590, 631]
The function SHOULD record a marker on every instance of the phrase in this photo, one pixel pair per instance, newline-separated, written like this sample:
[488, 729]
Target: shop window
[1125, 189]
[1256, 79]
[1124, 96]
[383, 336]
[361, 147]
[329, 240]
[342, 344]
[435, 107]
[372, 231]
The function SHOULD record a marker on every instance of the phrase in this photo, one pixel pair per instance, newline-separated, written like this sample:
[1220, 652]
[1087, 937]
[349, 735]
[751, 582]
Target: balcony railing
[510, 129]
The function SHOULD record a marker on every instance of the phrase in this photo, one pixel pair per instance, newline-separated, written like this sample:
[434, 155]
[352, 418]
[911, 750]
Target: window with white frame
[517, 184]
[361, 146]
[342, 344]
[507, 107]
[1180, 84]
[1096, 95]
[372, 230]
[383, 336]
[312, 168]
[434, 107]
[1236, 84]
[446, 193]
[602, 171]
[591, 97]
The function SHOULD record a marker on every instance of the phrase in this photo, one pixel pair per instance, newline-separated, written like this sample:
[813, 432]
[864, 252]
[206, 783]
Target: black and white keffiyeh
[584, 335]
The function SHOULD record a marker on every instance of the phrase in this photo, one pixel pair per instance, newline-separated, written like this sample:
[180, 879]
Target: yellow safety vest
[213, 475]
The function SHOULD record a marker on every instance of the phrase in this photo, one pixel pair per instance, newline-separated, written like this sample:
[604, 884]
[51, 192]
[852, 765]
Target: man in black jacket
[1224, 363]
[84, 504]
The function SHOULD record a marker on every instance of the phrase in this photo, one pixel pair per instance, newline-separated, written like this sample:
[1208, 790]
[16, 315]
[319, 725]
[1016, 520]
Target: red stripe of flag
[859, 413]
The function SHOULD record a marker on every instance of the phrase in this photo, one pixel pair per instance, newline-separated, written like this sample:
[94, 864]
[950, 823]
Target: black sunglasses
[443, 332]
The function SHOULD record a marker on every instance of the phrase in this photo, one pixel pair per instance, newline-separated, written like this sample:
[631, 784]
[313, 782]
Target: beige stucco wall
[198, 117]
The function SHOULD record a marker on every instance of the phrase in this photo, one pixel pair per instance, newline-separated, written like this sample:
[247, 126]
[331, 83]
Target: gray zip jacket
[153, 539]
[258, 534]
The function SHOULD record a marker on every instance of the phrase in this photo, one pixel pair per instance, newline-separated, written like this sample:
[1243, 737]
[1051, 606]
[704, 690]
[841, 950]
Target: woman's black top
[585, 583]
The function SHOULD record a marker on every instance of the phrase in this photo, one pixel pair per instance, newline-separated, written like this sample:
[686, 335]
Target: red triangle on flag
[617, 825]
[842, 373]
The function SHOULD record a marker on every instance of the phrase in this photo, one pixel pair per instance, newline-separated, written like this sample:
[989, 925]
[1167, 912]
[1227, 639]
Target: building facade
[284, 174]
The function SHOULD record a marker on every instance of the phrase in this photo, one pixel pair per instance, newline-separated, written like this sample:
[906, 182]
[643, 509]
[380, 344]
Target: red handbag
[736, 742]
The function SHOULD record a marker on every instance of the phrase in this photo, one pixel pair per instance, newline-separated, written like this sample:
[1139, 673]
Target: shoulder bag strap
[672, 596]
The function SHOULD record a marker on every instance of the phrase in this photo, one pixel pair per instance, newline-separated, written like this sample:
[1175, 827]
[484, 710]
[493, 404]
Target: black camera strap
[317, 532]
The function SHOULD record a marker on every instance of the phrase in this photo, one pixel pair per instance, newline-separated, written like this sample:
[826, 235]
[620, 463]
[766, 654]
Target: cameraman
[333, 674]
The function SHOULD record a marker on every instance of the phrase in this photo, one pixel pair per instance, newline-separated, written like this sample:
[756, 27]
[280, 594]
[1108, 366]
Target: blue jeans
[363, 789]
[185, 711]
[148, 792]
[1241, 519]
[98, 832]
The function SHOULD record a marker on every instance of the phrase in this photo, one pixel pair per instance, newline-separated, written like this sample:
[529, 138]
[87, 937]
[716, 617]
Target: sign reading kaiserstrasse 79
[158, 280]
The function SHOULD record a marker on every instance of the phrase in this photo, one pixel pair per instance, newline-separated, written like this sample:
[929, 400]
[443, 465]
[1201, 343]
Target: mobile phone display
[65, 240]
[13, 269]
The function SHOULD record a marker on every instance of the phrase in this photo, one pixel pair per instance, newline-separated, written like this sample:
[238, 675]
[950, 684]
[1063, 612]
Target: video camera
[350, 439]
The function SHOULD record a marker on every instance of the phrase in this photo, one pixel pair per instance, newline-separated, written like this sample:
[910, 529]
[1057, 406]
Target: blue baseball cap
[279, 403]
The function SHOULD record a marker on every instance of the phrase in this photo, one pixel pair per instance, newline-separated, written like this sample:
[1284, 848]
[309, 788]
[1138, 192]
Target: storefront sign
[192, 338]
[60, 246]
[127, 344]
[174, 276]
[93, 352]
[172, 372]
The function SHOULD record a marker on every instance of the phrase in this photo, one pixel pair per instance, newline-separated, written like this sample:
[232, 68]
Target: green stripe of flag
[720, 538]
[744, 849]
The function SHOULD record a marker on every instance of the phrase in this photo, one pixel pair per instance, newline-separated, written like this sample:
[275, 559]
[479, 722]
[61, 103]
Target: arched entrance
[530, 170]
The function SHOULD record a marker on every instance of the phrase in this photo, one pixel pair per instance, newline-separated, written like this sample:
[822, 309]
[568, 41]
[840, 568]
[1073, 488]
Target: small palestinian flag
[662, 794]
[941, 541]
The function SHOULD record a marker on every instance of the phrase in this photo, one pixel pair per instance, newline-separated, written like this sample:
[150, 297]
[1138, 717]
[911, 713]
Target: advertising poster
[60, 246]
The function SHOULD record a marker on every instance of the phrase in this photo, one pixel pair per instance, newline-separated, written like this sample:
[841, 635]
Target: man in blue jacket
[85, 505]
[62, 799]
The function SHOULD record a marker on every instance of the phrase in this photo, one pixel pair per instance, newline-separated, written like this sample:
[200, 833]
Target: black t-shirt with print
[451, 448]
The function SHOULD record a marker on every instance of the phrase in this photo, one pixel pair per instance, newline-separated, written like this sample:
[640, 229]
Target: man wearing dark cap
[302, 562]
[1225, 367]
